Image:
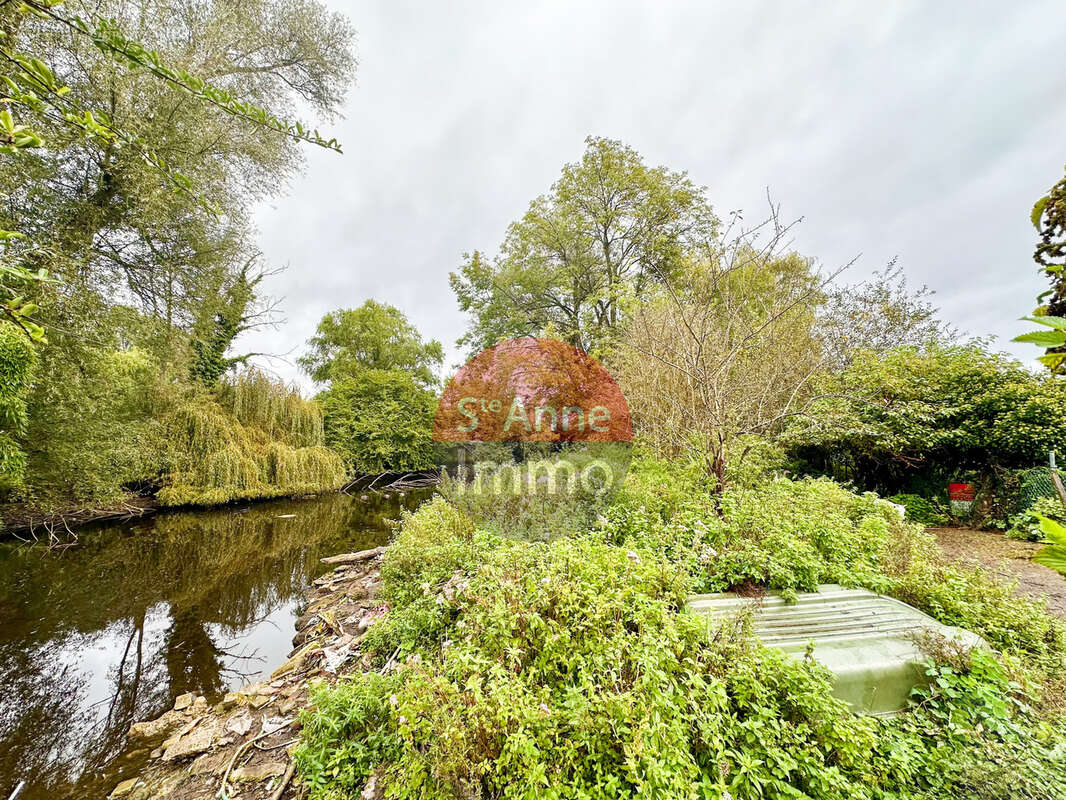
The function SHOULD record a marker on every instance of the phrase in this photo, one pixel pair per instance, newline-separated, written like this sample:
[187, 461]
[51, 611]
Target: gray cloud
[912, 129]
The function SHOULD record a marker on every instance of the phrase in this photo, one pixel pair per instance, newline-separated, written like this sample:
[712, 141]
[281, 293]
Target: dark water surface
[110, 631]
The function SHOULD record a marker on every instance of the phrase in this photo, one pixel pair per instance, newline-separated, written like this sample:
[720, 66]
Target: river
[109, 631]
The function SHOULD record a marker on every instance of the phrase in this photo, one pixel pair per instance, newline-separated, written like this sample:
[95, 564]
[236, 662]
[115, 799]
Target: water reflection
[109, 632]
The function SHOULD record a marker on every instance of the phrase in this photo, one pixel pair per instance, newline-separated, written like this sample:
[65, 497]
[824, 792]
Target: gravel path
[1007, 558]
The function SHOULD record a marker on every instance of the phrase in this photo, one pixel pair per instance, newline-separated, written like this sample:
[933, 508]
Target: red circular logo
[532, 390]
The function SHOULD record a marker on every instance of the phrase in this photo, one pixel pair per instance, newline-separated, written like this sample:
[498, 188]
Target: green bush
[923, 510]
[379, 421]
[1026, 524]
[569, 668]
[924, 416]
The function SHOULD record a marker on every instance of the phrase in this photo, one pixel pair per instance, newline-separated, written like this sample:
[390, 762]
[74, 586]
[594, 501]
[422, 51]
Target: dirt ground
[1007, 558]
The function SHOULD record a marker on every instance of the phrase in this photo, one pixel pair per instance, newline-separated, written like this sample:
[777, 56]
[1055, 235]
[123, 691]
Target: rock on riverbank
[241, 747]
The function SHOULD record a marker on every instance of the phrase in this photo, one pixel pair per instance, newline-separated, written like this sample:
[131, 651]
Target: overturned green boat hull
[867, 641]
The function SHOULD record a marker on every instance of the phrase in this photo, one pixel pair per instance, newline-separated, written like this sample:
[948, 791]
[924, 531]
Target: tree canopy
[135, 141]
[572, 266]
[375, 336]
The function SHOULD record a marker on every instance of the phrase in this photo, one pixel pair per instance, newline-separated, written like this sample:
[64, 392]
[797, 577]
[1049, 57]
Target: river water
[109, 631]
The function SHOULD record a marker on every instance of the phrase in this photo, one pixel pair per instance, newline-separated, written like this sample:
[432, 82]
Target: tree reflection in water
[98, 636]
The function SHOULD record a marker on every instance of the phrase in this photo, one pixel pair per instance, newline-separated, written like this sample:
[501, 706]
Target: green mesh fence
[1036, 483]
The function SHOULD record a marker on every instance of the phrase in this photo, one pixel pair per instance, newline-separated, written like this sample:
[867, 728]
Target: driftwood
[284, 781]
[354, 558]
[395, 481]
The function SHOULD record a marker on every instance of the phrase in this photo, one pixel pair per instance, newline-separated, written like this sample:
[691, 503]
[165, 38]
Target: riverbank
[242, 745]
[25, 521]
[28, 522]
[545, 649]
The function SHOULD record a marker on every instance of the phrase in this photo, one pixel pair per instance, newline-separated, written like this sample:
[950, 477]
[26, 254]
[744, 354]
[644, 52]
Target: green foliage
[157, 151]
[1049, 218]
[257, 401]
[1054, 554]
[375, 337]
[359, 719]
[795, 535]
[93, 426]
[929, 415]
[16, 279]
[226, 311]
[568, 668]
[564, 669]
[1026, 524]
[923, 510]
[260, 439]
[610, 228]
[18, 363]
[380, 421]
[34, 89]
[973, 732]
[533, 516]
[975, 600]
[752, 459]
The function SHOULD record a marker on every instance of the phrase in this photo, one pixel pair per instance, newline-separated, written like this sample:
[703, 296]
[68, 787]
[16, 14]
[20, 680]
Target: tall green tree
[152, 197]
[379, 421]
[609, 228]
[135, 139]
[379, 404]
[375, 336]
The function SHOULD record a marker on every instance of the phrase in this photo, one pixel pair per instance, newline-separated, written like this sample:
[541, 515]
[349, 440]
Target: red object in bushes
[961, 491]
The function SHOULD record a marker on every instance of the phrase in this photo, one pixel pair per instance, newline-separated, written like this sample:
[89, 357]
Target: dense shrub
[380, 421]
[93, 425]
[923, 510]
[18, 362]
[568, 668]
[1026, 524]
[927, 415]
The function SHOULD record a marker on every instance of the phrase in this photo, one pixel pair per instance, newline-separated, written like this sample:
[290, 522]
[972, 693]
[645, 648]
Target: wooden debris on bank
[354, 558]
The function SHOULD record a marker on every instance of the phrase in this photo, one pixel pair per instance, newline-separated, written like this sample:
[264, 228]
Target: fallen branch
[297, 660]
[276, 795]
[354, 558]
[223, 791]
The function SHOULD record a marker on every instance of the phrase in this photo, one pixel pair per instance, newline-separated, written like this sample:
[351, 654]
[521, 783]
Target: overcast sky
[923, 130]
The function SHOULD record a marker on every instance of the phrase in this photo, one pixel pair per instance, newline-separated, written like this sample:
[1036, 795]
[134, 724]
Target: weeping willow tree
[256, 438]
[17, 364]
